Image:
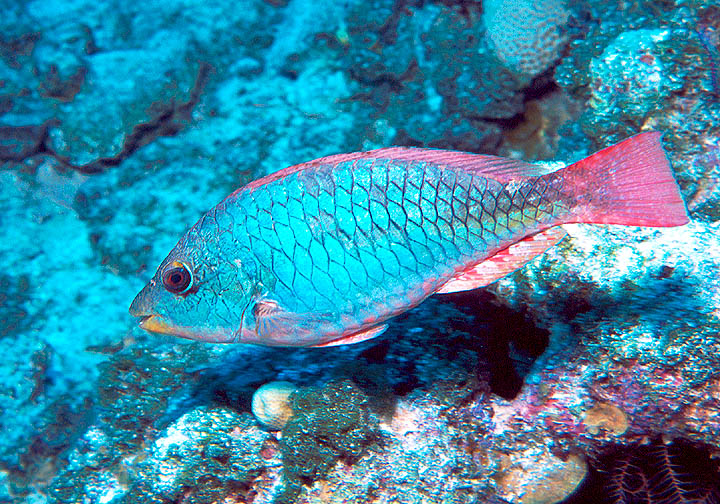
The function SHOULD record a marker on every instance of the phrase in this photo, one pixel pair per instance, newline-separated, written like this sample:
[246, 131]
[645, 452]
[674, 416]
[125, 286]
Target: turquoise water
[594, 367]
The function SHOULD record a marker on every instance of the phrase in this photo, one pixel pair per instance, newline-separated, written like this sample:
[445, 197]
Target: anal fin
[355, 337]
[504, 262]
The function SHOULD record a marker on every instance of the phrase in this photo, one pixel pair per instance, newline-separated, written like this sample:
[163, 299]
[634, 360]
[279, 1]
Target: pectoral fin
[356, 337]
[275, 325]
[504, 262]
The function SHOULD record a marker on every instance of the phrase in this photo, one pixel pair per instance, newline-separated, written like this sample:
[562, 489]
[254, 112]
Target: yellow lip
[154, 323]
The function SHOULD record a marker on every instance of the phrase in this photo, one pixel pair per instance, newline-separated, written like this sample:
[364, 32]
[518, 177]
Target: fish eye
[177, 278]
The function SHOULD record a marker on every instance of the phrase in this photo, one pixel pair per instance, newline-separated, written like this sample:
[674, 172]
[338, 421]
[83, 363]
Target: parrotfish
[326, 252]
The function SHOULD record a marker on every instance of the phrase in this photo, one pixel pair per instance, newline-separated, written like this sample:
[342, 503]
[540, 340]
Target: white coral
[271, 404]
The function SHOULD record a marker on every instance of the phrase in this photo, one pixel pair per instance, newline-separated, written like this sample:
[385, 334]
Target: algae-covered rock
[536, 476]
[637, 72]
[629, 79]
[633, 325]
[102, 64]
[136, 390]
[205, 456]
[133, 390]
[425, 75]
[328, 424]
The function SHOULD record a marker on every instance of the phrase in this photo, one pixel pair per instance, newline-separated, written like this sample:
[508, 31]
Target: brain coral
[526, 34]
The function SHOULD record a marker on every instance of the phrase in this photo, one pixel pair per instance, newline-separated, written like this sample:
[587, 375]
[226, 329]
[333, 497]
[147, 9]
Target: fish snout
[140, 307]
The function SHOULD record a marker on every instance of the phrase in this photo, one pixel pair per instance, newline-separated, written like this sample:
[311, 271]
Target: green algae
[133, 391]
[328, 424]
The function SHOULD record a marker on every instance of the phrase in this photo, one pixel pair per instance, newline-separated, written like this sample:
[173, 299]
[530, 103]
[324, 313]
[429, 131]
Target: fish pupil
[177, 280]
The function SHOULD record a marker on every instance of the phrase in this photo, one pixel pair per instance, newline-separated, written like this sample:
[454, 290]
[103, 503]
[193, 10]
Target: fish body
[326, 252]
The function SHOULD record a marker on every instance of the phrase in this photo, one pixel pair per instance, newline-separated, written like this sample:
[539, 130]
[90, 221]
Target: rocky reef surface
[594, 369]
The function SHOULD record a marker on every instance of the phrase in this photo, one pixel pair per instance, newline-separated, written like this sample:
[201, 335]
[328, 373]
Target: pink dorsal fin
[504, 262]
[501, 169]
[355, 337]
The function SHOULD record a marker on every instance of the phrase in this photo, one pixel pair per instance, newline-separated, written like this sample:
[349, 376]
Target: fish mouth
[156, 324]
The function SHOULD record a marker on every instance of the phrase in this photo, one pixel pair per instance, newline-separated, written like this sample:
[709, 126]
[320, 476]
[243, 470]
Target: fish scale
[325, 252]
[430, 231]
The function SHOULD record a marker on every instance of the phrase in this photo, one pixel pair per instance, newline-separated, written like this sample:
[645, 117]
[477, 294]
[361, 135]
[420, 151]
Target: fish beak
[140, 306]
[150, 322]
[154, 323]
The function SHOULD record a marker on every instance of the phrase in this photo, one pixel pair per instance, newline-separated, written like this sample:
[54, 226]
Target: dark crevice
[511, 338]
[540, 87]
[707, 31]
[18, 143]
[681, 472]
[388, 30]
[17, 48]
[466, 8]
[64, 90]
[377, 76]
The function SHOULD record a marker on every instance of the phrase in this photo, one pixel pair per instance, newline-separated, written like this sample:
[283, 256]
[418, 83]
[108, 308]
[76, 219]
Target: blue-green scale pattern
[366, 239]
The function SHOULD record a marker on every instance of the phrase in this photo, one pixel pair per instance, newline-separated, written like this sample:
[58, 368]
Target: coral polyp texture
[526, 35]
[590, 375]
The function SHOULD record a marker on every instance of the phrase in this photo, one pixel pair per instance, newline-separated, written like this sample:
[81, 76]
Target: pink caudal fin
[629, 183]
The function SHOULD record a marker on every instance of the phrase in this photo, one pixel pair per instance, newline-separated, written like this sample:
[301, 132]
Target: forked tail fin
[628, 183]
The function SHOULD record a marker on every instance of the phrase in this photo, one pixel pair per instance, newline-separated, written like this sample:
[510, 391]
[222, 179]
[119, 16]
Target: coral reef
[327, 424]
[202, 457]
[121, 123]
[84, 74]
[651, 71]
[655, 472]
[425, 76]
[536, 476]
[629, 79]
